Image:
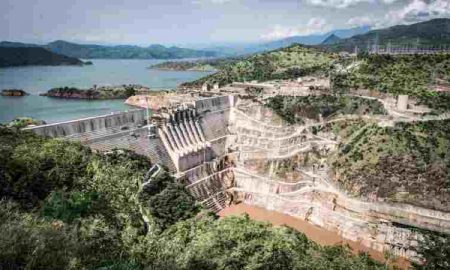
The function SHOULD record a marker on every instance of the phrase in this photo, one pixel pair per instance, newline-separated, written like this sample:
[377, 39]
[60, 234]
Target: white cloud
[337, 3]
[360, 21]
[215, 2]
[418, 10]
[314, 26]
[345, 3]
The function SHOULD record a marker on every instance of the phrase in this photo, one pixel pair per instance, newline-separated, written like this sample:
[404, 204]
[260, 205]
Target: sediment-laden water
[317, 234]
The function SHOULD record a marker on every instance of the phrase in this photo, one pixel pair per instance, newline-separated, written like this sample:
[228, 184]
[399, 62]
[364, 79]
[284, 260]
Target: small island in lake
[205, 65]
[103, 92]
[13, 93]
[184, 66]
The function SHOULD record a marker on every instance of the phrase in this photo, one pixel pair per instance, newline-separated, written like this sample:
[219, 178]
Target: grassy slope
[290, 62]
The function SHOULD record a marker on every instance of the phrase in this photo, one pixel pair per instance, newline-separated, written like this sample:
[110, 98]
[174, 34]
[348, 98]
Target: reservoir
[39, 79]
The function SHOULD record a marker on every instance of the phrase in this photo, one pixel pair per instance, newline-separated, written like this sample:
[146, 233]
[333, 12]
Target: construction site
[230, 148]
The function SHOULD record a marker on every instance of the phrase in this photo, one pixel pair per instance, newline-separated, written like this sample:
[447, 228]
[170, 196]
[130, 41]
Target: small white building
[205, 87]
[402, 102]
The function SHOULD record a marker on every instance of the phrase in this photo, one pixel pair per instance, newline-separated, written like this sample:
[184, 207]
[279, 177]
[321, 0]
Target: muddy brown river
[317, 234]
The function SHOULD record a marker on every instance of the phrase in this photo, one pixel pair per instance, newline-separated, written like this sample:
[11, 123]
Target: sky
[184, 22]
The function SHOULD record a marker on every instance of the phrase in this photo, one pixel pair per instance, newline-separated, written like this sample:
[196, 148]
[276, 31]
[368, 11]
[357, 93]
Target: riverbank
[316, 234]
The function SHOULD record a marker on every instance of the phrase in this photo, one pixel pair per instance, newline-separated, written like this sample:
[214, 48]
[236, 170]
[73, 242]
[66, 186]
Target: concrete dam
[227, 150]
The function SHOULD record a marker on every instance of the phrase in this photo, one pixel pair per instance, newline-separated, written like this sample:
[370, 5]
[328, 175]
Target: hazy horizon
[197, 22]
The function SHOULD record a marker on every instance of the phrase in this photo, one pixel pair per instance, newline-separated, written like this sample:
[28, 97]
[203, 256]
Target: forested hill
[115, 52]
[435, 32]
[17, 56]
[287, 63]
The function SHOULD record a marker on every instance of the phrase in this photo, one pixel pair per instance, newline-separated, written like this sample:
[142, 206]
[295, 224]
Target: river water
[39, 79]
[314, 233]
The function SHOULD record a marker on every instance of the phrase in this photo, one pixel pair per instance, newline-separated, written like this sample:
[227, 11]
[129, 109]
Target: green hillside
[291, 62]
[402, 74]
[19, 56]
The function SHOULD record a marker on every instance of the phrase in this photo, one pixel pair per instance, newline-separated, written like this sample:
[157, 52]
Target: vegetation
[64, 207]
[439, 102]
[296, 109]
[435, 249]
[114, 92]
[413, 75]
[11, 57]
[13, 93]
[407, 163]
[207, 65]
[286, 63]
[22, 122]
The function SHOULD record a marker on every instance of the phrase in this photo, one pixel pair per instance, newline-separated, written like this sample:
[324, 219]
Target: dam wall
[197, 134]
[91, 124]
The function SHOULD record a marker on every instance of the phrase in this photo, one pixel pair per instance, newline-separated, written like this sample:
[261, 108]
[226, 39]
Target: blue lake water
[39, 79]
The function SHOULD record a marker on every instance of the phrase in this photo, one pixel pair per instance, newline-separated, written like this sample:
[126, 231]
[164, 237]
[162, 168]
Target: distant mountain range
[115, 52]
[27, 56]
[314, 39]
[434, 32]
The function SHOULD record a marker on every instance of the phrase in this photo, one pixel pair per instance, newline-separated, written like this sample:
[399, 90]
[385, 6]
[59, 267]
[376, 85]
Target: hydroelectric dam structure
[226, 150]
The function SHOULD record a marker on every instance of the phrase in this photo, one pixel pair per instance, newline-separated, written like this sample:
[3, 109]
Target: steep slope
[435, 32]
[33, 56]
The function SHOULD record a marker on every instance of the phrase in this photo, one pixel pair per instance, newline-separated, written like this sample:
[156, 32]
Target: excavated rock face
[392, 181]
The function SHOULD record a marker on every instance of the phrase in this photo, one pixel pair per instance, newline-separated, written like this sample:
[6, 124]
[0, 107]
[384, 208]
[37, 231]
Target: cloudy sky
[144, 22]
